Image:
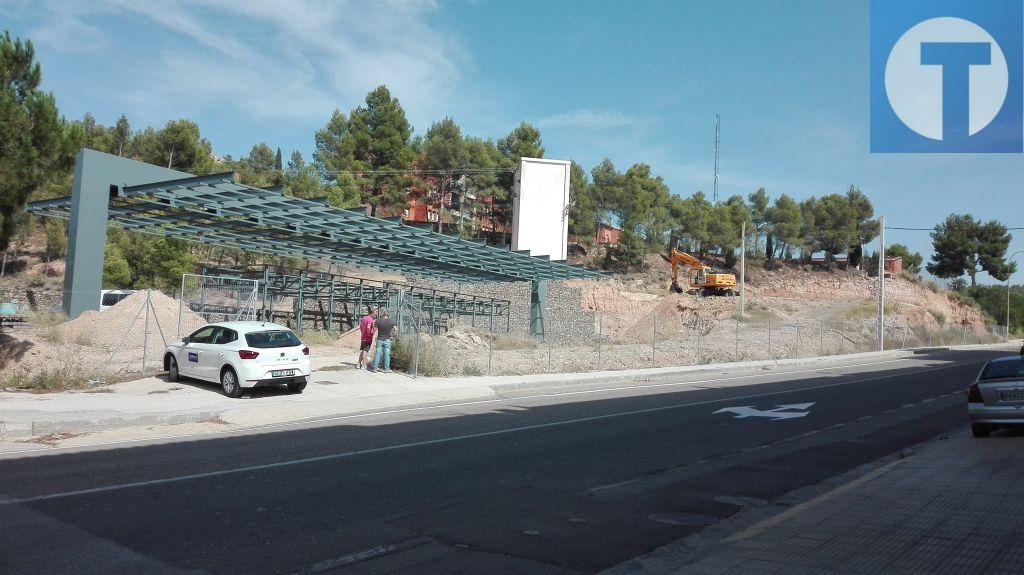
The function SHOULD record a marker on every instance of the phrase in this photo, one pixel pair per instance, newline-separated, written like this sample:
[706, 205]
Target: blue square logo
[946, 76]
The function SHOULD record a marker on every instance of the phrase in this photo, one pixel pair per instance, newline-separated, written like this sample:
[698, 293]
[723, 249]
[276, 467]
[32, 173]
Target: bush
[433, 358]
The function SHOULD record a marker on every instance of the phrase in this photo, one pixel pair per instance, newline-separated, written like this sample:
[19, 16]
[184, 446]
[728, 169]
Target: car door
[188, 357]
[211, 354]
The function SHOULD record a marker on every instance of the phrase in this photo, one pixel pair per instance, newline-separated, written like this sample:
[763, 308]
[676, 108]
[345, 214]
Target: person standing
[386, 330]
[367, 328]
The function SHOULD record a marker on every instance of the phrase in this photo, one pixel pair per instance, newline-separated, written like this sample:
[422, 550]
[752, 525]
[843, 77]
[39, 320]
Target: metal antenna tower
[717, 126]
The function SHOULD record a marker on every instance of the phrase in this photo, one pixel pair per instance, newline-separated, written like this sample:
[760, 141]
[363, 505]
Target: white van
[110, 297]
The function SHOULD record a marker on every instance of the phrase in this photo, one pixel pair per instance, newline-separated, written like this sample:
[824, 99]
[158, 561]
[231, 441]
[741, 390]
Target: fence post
[330, 307]
[736, 344]
[600, 336]
[965, 335]
[821, 338]
[181, 299]
[798, 340]
[700, 337]
[654, 338]
[549, 357]
[490, 344]
[298, 311]
[769, 339]
[145, 329]
[416, 356]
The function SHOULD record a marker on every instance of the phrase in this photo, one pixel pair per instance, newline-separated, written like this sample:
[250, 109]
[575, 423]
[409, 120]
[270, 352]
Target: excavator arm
[704, 280]
[677, 257]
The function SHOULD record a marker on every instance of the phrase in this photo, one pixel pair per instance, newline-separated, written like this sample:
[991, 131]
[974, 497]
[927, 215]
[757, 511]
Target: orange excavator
[703, 280]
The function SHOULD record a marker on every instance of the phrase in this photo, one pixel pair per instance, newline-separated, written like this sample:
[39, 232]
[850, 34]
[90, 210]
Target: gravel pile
[105, 329]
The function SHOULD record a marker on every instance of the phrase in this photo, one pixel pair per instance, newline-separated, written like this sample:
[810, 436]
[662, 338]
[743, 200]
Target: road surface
[559, 480]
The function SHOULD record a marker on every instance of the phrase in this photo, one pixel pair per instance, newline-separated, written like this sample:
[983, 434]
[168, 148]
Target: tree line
[371, 156]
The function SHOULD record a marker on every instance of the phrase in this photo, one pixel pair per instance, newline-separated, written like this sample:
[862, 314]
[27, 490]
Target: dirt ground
[789, 312]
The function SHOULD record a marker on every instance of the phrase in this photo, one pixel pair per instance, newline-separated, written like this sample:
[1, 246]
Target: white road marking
[775, 414]
[439, 441]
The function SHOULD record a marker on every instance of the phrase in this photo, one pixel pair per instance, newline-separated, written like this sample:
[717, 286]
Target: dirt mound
[125, 324]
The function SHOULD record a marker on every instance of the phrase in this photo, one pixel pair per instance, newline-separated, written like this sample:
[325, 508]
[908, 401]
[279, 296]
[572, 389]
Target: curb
[16, 430]
[649, 375]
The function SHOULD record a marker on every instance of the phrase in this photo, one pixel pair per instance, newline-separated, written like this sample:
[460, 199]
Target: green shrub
[433, 360]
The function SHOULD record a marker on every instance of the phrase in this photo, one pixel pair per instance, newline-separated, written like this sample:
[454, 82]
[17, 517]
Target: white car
[111, 297]
[240, 355]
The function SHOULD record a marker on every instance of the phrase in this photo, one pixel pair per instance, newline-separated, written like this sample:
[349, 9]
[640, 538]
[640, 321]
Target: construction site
[463, 308]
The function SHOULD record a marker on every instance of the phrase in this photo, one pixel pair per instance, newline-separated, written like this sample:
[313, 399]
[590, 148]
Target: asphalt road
[561, 480]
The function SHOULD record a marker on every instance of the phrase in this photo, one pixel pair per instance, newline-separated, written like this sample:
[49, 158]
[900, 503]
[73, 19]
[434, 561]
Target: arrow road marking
[788, 411]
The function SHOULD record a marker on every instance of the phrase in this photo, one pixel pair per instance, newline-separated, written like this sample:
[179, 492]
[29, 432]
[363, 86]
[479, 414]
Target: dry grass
[755, 314]
[46, 318]
[68, 371]
[866, 310]
[513, 341]
[318, 337]
[472, 370]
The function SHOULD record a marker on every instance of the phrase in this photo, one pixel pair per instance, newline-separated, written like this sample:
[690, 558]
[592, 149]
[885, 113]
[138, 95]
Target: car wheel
[172, 369]
[297, 387]
[229, 382]
[980, 430]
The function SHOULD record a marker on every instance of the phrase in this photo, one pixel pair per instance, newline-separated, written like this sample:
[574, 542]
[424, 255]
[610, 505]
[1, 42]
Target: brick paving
[956, 506]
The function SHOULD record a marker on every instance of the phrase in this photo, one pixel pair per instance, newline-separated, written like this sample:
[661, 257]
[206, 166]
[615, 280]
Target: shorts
[365, 345]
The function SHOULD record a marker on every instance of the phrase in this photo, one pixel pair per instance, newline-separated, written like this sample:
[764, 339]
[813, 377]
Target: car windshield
[267, 339]
[1003, 369]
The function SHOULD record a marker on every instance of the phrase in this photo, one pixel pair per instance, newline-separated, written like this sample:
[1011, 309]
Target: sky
[630, 81]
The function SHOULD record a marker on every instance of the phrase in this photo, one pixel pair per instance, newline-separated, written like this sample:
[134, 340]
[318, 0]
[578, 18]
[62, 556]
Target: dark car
[996, 398]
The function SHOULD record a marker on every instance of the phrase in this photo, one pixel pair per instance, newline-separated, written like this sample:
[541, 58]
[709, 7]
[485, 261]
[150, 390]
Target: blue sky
[629, 81]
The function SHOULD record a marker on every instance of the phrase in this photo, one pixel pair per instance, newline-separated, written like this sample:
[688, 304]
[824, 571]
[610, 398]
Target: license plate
[282, 372]
[1014, 395]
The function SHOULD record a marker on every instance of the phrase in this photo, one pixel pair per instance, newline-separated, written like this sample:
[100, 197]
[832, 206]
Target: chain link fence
[206, 299]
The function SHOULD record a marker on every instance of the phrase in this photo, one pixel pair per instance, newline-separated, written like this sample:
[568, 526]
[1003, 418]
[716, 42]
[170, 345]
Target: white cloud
[273, 60]
[589, 119]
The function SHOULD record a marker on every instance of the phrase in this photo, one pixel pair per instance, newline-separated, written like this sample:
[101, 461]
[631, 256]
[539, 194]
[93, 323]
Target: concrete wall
[540, 221]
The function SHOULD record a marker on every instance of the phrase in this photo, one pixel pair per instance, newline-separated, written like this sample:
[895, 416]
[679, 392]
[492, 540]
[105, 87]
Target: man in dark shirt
[386, 330]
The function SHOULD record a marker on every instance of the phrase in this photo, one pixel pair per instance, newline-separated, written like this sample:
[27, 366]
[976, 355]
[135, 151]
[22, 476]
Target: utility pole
[718, 122]
[1009, 259]
[880, 329]
[743, 267]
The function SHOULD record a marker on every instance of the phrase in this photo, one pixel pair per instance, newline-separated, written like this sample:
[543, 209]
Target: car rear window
[268, 339]
[1003, 369]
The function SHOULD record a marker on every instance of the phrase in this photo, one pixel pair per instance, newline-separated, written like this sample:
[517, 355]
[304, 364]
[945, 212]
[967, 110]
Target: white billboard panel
[540, 209]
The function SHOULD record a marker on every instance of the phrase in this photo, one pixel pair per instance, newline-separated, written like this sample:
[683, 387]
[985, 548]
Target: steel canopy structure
[217, 210]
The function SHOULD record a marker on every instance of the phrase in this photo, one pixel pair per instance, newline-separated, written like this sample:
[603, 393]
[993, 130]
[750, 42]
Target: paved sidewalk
[953, 507]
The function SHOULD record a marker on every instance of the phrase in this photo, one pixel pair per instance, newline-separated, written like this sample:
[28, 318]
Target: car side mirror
[185, 339]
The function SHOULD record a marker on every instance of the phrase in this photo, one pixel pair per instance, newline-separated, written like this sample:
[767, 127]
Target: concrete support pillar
[98, 177]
